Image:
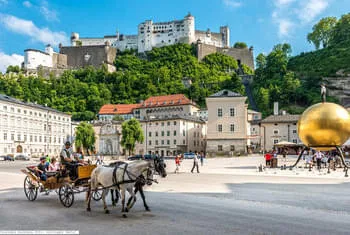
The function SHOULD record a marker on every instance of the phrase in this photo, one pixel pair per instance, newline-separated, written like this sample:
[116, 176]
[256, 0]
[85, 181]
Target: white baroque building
[32, 129]
[157, 34]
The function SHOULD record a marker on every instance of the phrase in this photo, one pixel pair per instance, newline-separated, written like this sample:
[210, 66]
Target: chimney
[275, 108]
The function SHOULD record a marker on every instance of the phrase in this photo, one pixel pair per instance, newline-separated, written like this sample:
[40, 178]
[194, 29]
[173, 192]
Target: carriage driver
[66, 160]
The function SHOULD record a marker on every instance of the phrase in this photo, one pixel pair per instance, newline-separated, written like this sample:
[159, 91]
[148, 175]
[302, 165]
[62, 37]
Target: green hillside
[82, 92]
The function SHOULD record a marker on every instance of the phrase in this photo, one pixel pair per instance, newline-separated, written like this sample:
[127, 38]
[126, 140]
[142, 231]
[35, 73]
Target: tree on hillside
[240, 45]
[341, 30]
[13, 68]
[322, 32]
[85, 137]
[131, 133]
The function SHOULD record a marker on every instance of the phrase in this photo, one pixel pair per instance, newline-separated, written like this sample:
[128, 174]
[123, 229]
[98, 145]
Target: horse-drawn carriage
[60, 182]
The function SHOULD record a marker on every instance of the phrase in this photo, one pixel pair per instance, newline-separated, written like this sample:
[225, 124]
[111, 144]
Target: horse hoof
[124, 216]
[88, 209]
[106, 211]
[126, 210]
[114, 205]
[147, 209]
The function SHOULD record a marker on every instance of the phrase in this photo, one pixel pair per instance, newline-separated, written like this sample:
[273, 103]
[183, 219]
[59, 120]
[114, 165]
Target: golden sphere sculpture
[324, 125]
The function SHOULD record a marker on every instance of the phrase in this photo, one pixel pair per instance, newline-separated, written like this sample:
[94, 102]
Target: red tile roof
[166, 100]
[117, 108]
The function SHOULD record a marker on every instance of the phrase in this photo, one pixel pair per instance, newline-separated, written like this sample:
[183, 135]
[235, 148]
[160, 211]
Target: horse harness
[126, 172]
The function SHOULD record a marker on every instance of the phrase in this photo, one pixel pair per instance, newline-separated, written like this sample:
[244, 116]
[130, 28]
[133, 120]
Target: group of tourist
[318, 158]
[68, 159]
[196, 158]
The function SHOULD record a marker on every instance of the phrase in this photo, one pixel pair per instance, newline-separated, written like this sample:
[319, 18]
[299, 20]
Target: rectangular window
[5, 136]
[232, 127]
[156, 133]
[294, 131]
[275, 141]
[295, 141]
[35, 138]
[174, 123]
[40, 138]
[18, 137]
[156, 142]
[183, 141]
[276, 132]
[219, 147]
[18, 111]
[168, 123]
[174, 133]
[12, 136]
[174, 141]
[220, 112]
[162, 133]
[232, 148]
[31, 138]
[162, 142]
[25, 138]
[44, 127]
[45, 140]
[183, 132]
[194, 143]
[219, 127]
[149, 134]
[149, 142]
[168, 133]
[5, 108]
[168, 142]
[162, 123]
[232, 112]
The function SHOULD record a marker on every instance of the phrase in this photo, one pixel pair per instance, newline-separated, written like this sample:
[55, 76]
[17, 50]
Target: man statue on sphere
[323, 92]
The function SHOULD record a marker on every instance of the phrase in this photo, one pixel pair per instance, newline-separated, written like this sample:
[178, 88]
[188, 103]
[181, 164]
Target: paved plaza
[229, 196]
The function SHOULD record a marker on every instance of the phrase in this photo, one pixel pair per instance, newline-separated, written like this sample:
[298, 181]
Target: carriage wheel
[29, 189]
[66, 195]
[97, 195]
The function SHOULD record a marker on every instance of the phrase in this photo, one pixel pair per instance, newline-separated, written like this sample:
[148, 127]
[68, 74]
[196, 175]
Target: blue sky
[260, 23]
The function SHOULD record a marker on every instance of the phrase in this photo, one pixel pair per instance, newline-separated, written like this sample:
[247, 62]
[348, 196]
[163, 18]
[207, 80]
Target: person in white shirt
[195, 162]
[319, 155]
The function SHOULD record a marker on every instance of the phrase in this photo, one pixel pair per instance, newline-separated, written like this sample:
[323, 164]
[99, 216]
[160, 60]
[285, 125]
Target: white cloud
[28, 28]
[312, 8]
[282, 3]
[232, 3]
[285, 27]
[27, 4]
[291, 14]
[49, 14]
[7, 60]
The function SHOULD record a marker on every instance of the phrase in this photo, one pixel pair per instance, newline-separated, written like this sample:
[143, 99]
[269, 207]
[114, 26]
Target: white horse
[122, 177]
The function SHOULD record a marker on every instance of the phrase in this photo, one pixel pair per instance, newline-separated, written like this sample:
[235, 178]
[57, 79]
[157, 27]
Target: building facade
[108, 137]
[32, 129]
[228, 130]
[277, 128]
[168, 136]
[254, 121]
[111, 111]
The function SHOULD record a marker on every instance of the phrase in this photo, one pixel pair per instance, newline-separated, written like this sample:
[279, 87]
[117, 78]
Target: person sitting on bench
[42, 168]
[68, 162]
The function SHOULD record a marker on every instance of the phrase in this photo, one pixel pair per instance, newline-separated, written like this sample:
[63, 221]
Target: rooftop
[115, 109]
[16, 101]
[166, 100]
[225, 93]
[281, 118]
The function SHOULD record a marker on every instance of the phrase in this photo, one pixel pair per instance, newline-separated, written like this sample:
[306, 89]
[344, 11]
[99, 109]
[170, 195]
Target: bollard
[346, 172]
[328, 172]
[309, 167]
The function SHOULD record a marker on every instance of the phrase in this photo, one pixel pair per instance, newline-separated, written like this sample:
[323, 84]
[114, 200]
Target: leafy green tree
[85, 136]
[341, 32]
[240, 45]
[322, 32]
[13, 68]
[131, 133]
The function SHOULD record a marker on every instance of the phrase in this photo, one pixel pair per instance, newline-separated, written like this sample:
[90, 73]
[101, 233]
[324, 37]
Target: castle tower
[190, 27]
[225, 32]
[49, 49]
[74, 38]
[145, 30]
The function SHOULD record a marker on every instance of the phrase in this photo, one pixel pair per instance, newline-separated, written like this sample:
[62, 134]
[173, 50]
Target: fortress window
[169, 41]
[162, 41]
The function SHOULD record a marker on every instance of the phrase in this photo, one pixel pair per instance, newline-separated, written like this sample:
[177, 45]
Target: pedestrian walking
[319, 155]
[201, 157]
[177, 163]
[195, 162]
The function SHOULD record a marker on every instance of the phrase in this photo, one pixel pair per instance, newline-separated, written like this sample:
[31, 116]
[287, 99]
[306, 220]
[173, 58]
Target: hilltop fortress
[102, 51]
[158, 34]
